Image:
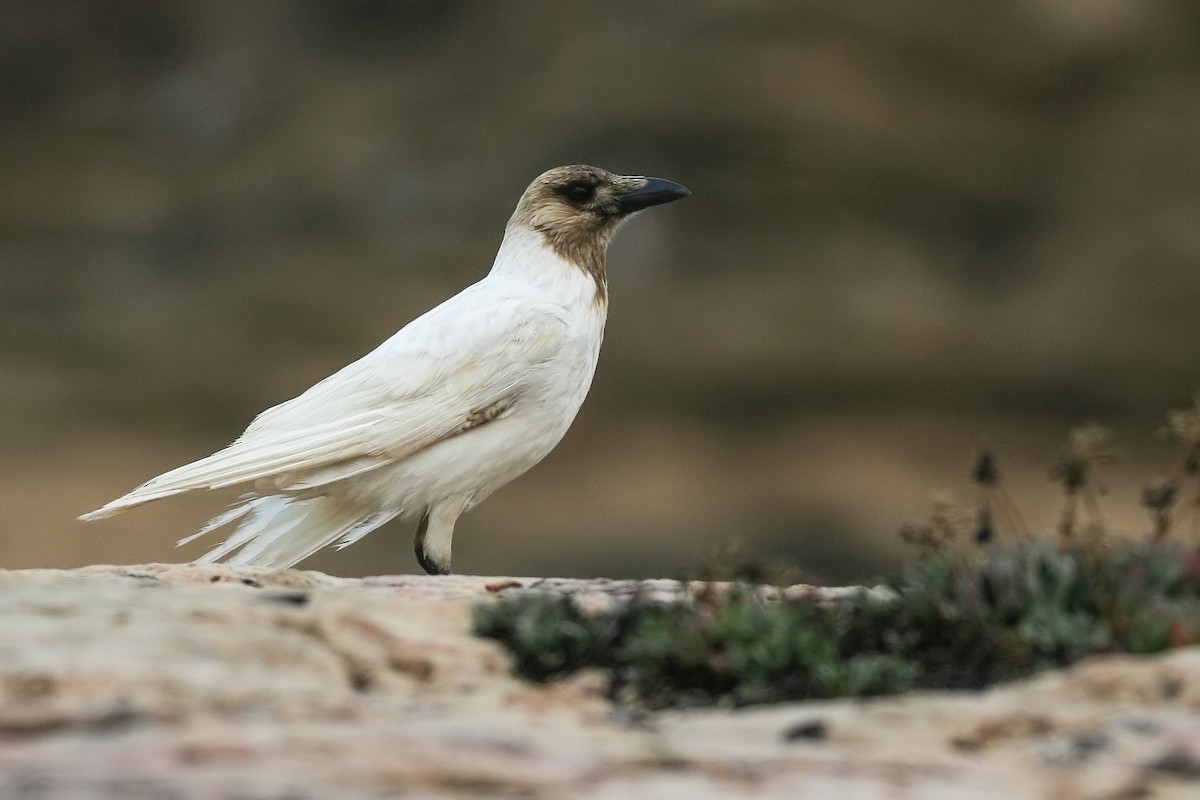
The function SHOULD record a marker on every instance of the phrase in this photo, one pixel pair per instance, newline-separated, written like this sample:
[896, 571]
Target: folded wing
[423, 385]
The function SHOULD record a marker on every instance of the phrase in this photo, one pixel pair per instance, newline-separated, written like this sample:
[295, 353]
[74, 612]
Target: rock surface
[187, 681]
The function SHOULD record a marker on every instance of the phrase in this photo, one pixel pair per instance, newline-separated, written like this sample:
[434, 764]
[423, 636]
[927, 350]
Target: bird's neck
[530, 256]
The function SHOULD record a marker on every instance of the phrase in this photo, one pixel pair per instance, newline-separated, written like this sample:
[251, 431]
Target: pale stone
[189, 681]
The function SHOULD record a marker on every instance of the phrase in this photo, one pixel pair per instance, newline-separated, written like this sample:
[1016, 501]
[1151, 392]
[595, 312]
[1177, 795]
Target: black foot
[429, 566]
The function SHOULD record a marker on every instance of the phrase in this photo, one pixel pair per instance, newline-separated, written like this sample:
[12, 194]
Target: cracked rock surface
[203, 681]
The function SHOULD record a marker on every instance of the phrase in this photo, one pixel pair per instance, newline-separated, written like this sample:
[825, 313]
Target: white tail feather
[366, 526]
[237, 512]
[281, 531]
[245, 461]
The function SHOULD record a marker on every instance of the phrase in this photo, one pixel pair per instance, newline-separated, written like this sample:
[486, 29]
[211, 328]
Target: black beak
[656, 192]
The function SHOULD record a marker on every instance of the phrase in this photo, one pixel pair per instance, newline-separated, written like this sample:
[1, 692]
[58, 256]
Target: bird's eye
[580, 192]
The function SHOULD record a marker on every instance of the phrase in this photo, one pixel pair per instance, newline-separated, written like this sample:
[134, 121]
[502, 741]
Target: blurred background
[916, 230]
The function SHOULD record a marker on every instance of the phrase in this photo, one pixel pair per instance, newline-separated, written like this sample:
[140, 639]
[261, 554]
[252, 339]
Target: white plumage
[452, 407]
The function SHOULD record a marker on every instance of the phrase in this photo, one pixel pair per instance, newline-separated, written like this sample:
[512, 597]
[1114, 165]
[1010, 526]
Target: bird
[457, 403]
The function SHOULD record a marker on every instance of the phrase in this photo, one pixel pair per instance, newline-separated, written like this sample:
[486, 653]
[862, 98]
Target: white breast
[526, 275]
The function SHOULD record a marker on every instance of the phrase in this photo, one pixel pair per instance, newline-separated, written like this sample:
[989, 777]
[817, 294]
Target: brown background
[916, 229]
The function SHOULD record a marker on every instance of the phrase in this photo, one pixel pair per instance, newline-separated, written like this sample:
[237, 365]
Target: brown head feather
[576, 210]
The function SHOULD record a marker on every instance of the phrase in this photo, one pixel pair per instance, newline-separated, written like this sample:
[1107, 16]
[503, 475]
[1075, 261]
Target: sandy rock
[190, 681]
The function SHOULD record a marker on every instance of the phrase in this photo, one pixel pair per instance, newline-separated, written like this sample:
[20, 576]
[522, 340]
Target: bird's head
[578, 209]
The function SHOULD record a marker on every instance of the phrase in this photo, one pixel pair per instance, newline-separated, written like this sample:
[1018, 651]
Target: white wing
[429, 381]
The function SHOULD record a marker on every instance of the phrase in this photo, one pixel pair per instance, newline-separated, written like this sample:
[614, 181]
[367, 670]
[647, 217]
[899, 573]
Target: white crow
[456, 404]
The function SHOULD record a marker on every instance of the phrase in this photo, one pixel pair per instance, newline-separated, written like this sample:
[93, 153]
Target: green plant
[943, 623]
[971, 608]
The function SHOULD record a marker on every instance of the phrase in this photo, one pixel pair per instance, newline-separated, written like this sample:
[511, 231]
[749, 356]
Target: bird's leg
[434, 533]
[419, 547]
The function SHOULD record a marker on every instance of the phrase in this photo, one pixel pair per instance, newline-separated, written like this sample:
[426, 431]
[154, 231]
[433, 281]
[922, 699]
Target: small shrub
[972, 608]
[943, 623]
